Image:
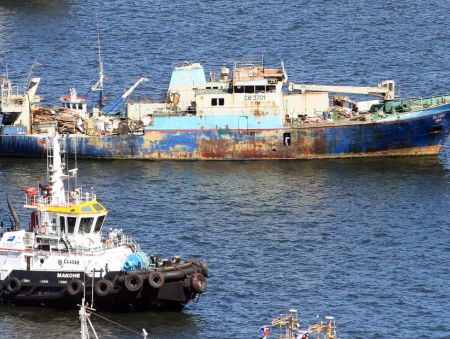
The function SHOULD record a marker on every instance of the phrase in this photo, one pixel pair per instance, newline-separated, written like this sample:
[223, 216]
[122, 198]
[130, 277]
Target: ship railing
[57, 242]
[74, 197]
[120, 240]
[32, 200]
[78, 196]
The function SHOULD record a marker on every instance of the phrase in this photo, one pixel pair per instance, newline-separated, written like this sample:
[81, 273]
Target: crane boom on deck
[125, 95]
[387, 88]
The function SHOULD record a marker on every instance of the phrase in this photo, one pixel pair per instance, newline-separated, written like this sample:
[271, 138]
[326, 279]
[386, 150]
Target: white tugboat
[64, 252]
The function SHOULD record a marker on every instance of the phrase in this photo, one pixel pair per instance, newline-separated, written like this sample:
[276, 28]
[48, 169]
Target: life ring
[204, 266]
[156, 279]
[103, 287]
[74, 287]
[198, 282]
[13, 285]
[133, 282]
[42, 230]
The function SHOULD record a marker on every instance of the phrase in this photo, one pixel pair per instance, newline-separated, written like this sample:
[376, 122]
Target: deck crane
[27, 83]
[125, 95]
[98, 86]
[385, 88]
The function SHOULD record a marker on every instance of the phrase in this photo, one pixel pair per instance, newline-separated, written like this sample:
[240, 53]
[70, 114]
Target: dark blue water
[364, 240]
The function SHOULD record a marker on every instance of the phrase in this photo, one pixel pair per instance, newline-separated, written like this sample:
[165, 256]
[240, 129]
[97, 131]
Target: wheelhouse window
[99, 223]
[214, 102]
[71, 222]
[86, 225]
[271, 88]
[249, 89]
[221, 101]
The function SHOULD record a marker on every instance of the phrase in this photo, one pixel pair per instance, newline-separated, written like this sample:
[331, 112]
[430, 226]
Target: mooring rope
[117, 324]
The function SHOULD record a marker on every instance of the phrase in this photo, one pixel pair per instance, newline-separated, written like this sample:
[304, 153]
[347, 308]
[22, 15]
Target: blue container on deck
[136, 261]
[14, 130]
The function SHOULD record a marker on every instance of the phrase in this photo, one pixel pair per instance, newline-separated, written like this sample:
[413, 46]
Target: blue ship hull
[414, 133]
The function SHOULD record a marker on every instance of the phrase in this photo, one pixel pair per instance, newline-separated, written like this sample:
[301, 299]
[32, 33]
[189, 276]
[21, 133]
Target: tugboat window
[86, 209]
[62, 224]
[221, 101]
[214, 102]
[71, 222]
[99, 223]
[85, 225]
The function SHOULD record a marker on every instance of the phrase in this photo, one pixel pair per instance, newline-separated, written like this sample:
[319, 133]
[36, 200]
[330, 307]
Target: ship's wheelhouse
[81, 224]
[81, 219]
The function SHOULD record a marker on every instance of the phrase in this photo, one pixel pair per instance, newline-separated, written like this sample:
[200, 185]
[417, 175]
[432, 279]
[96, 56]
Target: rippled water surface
[365, 240]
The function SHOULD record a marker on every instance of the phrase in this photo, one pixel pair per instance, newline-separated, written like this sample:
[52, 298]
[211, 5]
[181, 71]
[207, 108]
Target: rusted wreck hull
[420, 135]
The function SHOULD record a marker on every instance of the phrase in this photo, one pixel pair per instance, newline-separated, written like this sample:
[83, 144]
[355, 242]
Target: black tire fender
[204, 266]
[13, 285]
[133, 282]
[103, 287]
[198, 282]
[156, 279]
[174, 275]
[74, 287]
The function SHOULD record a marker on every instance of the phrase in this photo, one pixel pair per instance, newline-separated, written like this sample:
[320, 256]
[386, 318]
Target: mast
[56, 173]
[98, 87]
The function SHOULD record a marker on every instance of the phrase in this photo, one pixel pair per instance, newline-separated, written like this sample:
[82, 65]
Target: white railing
[74, 197]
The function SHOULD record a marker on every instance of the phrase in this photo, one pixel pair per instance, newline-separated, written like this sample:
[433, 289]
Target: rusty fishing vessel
[64, 255]
[247, 112]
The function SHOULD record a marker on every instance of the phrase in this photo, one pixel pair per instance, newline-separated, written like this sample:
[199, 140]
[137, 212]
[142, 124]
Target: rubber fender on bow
[103, 287]
[13, 285]
[198, 282]
[174, 275]
[156, 279]
[133, 282]
[204, 266]
[74, 286]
